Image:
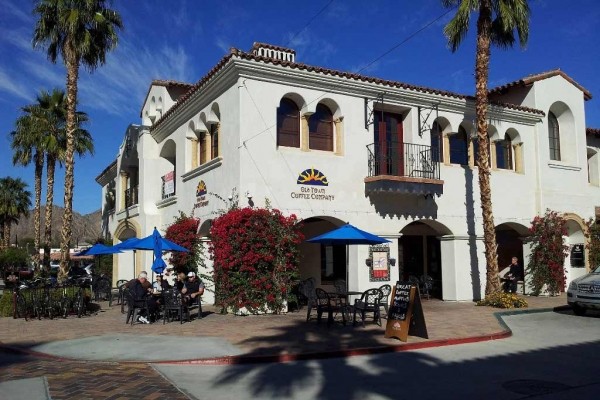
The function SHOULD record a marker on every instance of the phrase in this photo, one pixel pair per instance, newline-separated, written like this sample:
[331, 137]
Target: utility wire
[409, 37]
[406, 39]
[309, 22]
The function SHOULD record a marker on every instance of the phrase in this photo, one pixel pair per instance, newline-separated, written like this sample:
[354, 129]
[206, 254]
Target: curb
[282, 358]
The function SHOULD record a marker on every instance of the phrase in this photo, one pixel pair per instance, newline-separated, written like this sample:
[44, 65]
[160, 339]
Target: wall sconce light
[392, 262]
[249, 195]
[369, 262]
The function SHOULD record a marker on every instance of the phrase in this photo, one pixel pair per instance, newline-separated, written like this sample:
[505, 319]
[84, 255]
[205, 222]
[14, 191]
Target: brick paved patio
[257, 335]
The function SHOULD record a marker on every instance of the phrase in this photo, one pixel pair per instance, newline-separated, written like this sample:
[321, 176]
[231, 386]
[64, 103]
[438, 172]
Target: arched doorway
[509, 237]
[324, 263]
[419, 252]
[126, 265]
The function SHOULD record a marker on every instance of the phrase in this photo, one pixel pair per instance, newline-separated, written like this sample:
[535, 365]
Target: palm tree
[54, 110]
[82, 32]
[496, 24]
[26, 144]
[15, 202]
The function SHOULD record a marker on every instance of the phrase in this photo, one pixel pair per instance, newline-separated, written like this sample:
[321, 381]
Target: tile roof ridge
[169, 82]
[532, 78]
[311, 68]
[592, 131]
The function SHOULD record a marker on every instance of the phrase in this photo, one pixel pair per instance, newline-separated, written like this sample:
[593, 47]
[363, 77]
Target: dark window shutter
[321, 129]
[288, 124]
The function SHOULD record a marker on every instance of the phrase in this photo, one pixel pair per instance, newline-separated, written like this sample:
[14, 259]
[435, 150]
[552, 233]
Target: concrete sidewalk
[221, 338]
[118, 356]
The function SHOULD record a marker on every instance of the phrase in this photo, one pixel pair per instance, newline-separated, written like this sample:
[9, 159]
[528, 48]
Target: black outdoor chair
[134, 306]
[426, 286]
[308, 291]
[330, 304]
[370, 301]
[174, 305]
[102, 290]
[118, 292]
[385, 299]
[196, 302]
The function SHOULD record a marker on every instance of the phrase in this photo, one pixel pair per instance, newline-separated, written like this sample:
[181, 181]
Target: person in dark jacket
[514, 274]
[141, 290]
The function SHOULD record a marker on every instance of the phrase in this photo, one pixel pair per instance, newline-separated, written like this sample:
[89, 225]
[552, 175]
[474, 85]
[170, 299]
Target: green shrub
[503, 300]
[6, 304]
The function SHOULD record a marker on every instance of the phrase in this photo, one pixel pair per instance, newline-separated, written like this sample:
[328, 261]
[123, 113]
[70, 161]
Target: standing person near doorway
[514, 274]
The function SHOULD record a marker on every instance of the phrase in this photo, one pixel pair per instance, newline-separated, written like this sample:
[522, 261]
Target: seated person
[180, 282]
[160, 284]
[193, 288]
[514, 274]
[141, 289]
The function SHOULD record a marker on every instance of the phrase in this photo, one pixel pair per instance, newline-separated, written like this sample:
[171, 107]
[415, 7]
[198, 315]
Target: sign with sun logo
[312, 177]
[201, 192]
[201, 189]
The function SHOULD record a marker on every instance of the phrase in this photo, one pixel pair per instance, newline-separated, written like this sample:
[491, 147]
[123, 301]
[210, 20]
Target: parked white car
[584, 292]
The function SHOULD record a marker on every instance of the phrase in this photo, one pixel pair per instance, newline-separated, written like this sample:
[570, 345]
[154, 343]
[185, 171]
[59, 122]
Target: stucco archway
[420, 253]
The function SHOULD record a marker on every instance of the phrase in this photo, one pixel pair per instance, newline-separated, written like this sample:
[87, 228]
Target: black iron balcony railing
[131, 196]
[403, 159]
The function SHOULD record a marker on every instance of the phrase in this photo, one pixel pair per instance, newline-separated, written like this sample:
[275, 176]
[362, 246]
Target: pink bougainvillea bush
[183, 232]
[548, 252]
[255, 258]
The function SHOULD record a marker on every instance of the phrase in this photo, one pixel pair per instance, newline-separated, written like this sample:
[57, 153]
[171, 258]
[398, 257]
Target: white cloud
[9, 83]
[223, 44]
[16, 12]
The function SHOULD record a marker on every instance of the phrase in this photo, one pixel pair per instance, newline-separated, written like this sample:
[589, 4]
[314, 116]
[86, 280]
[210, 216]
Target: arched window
[504, 158]
[320, 127]
[202, 147]
[288, 124]
[214, 141]
[459, 145]
[553, 137]
[436, 142]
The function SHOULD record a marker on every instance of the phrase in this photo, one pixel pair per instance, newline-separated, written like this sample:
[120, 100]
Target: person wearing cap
[141, 289]
[193, 288]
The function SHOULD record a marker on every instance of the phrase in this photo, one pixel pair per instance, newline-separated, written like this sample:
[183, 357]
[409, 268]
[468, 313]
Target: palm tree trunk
[6, 238]
[484, 25]
[50, 168]
[72, 64]
[39, 169]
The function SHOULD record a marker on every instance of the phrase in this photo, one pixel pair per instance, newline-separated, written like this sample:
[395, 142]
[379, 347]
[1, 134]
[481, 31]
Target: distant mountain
[86, 228]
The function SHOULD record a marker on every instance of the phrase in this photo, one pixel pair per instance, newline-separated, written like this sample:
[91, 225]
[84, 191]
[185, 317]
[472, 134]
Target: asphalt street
[550, 356]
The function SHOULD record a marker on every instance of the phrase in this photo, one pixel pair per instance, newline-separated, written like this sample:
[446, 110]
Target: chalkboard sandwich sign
[405, 314]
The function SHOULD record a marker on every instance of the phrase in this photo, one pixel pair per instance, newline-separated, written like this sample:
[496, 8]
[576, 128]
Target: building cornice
[108, 174]
[393, 95]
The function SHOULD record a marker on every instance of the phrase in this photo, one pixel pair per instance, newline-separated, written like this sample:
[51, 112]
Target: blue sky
[183, 39]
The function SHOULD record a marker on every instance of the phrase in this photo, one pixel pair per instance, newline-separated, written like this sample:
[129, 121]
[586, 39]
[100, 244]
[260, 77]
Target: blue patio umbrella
[157, 244]
[348, 234]
[99, 249]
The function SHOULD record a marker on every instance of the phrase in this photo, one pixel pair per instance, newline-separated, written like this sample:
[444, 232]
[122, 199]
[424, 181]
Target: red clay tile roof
[111, 165]
[256, 45]
[326, 71]
[166, 83]
[592, 131]
[528, 80]
[169, 83]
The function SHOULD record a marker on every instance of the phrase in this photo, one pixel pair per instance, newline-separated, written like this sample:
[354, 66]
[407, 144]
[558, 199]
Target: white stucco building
[333, 147]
